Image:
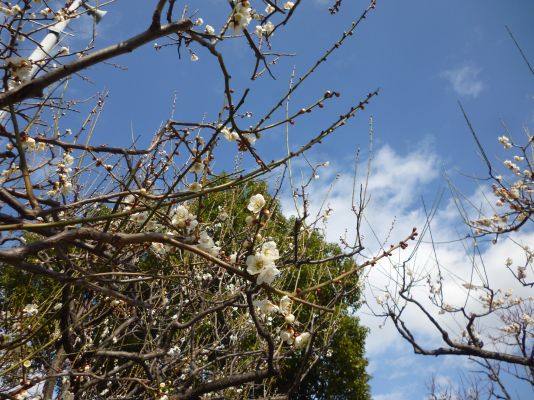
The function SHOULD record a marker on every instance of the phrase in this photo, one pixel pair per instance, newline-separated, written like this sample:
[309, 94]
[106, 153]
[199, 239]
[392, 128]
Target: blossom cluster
[262, 263]
[289, 334]
[517, 196]
[242, 15]
[19, 67]
[64, 184]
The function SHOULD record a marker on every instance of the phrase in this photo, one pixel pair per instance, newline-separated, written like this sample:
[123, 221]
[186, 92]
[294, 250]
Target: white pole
[44, 49]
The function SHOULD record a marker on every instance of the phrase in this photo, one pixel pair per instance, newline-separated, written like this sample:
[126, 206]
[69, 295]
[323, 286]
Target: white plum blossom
[20, 67]
[289, 318]
[129, 201]
[197, 167]
[285, 305]
[268, 275]
[269, 250]
[45, 12]
[241, 16]
[29, 144]
[14, 10]
[181, 214]
[195, 187]
[205, 243]
[265, 306]
[66, 188]
[527, 319]
[199, 22]
[139, 218]
[209, 30]
[182, 218]
[264, 267]
[289, 5]
[29, 310]
[286, 336]
[250, 138]
[269, 9]
[158, 248]
[194, 57]
[258, 262]
[505, 141]
[256, 203]
[510, 165]
[259, 30]
[301, 341]
[266, 29]
[68, 159]
[41, 146]
[231, 136]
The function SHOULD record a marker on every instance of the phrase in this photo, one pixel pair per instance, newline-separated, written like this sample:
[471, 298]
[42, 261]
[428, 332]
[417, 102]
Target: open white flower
[66, 188]
[158, 248]
[286, 336]
[257, 263]
[29, 310]
[129, 200]
[29, 144]
[262, 266]
[195, 187]
[265, 306]
[250, 138]
[229, 135]
[20, 67]
[269, 250]
[285, 305]
[268, 275]
[505, 141]
[256, 203]
[241, 16]
[259, 30]
[68, 159]
[266, 29]
[302, 340]
[289, 5]
[138, 218]
[197, 167]
[180, 215]
[209, 30]
[205, 241]
[182, 218]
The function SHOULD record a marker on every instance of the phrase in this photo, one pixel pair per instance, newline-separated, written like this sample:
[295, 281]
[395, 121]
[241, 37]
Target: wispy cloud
[394, 395]
[396, 184]
[465, 80]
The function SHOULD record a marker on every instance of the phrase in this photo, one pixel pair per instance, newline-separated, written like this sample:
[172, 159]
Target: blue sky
[424, 55]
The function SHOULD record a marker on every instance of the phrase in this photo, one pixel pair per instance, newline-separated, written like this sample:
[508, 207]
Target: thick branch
[35, 87]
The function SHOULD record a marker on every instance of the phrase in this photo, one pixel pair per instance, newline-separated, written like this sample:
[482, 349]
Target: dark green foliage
[340, 374]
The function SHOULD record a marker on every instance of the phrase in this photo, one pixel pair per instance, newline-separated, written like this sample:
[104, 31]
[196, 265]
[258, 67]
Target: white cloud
[396, 184]
[464, 80]
[395, 395]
